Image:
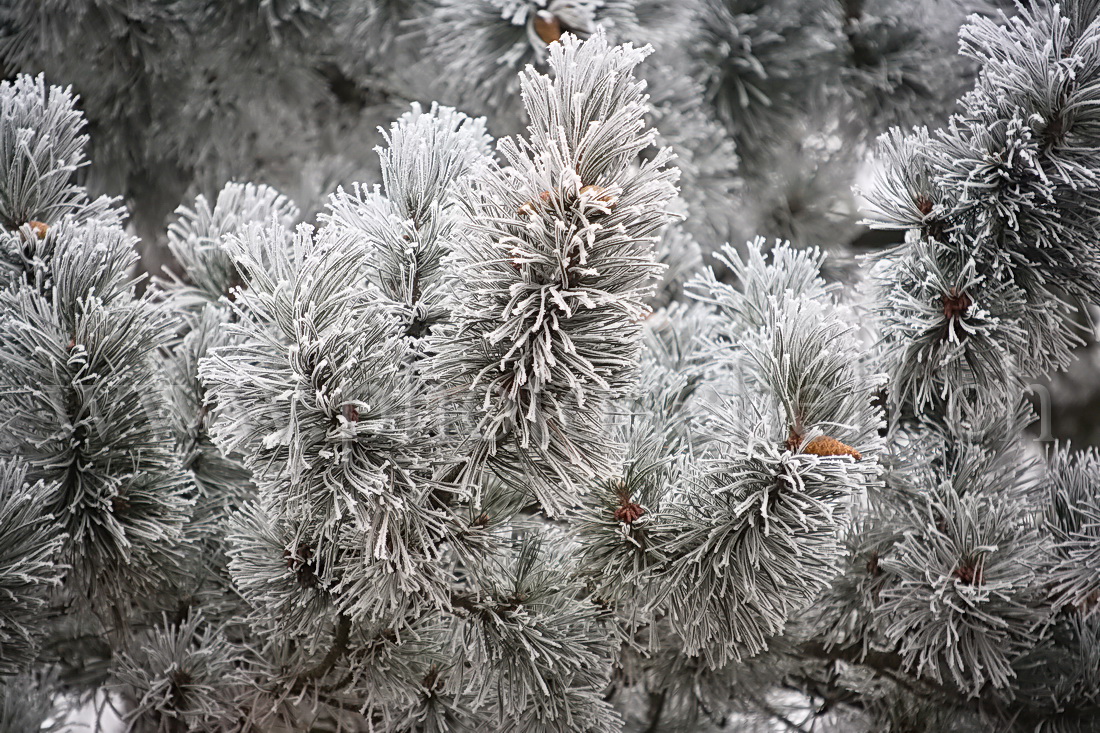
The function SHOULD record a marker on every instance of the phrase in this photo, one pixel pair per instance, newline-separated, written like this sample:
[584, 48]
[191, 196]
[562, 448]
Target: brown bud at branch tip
[547, 26]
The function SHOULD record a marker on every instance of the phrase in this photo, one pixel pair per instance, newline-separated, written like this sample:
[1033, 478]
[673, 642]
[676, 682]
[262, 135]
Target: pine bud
[629, 513]
[955, 307]
[235, 284]
[969, 573]
[305, 566]
[432, 680]
[180, 682]
[547, 26]
[39, 228]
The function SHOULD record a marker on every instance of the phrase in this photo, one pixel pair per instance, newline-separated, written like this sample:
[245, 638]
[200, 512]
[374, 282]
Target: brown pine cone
[600, 194]
[823, 445]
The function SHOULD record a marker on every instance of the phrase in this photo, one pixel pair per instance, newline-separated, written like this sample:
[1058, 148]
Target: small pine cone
[599, 193]
[529, 208]
[823, 445]
[39, 228]
[547, 26]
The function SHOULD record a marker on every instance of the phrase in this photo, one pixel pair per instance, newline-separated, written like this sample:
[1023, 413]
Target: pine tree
[499, 435]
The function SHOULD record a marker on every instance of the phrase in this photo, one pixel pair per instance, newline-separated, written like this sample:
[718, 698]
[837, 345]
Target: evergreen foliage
[500, 436]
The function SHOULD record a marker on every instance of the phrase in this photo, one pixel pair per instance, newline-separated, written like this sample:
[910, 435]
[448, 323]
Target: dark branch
[338, 650]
